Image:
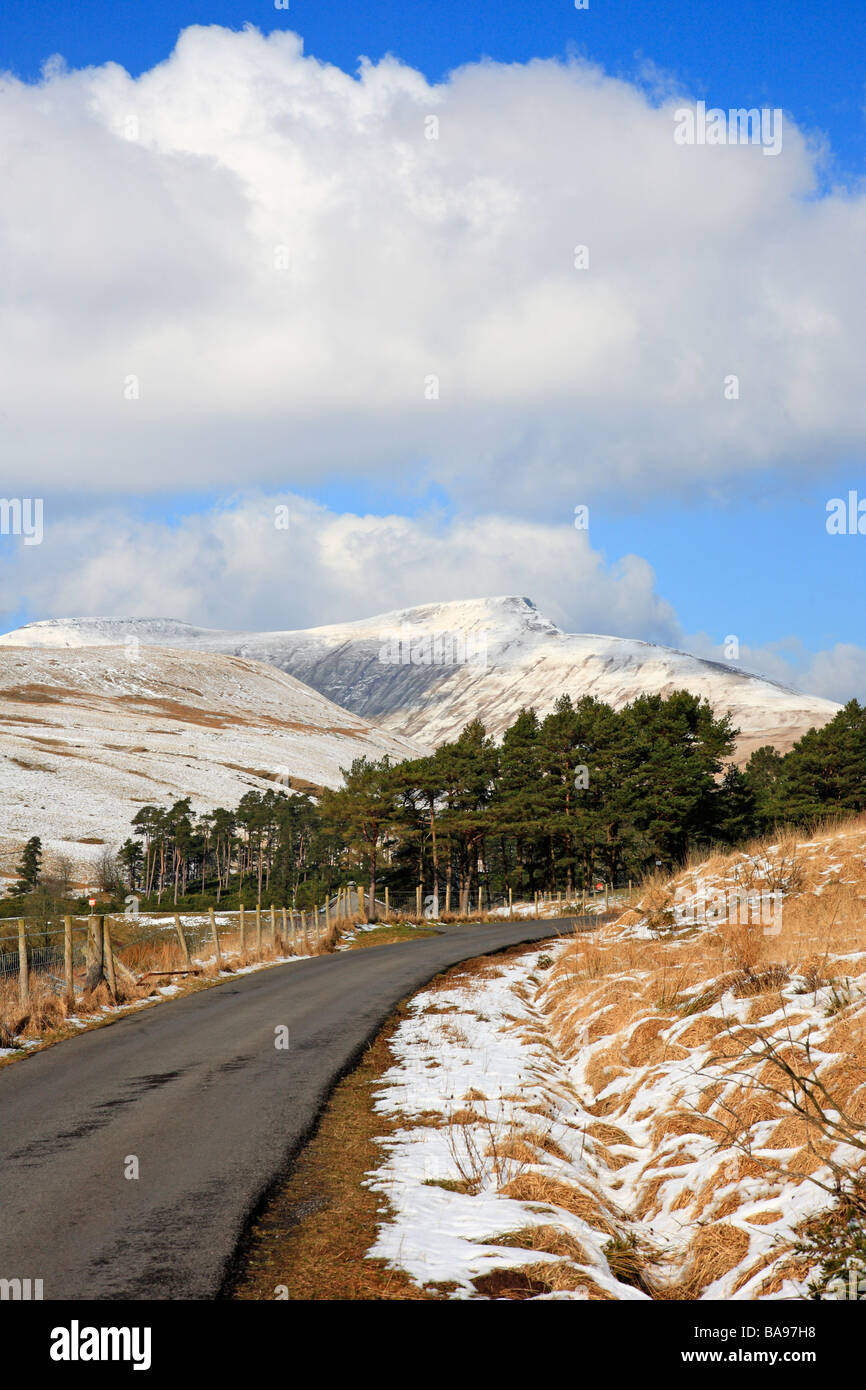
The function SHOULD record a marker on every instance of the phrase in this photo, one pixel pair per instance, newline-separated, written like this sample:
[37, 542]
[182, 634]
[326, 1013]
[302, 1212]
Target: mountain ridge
[88, 735]
[519, 658]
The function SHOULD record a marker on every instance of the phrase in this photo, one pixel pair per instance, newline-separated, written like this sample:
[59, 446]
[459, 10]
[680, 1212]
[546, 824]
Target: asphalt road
[198, 1093]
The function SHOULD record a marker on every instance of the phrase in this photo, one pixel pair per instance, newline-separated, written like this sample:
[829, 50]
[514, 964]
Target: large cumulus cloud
[281, 258]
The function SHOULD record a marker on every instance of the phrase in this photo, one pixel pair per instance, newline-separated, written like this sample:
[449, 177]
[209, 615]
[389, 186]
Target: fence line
[95, 943]
[339, 904]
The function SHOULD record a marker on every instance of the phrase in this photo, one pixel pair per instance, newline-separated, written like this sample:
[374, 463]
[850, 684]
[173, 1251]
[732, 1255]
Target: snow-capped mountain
[424, 672]
[89, 735]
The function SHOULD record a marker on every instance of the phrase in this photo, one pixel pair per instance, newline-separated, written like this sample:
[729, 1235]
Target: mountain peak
[500, 618]
[458, 659]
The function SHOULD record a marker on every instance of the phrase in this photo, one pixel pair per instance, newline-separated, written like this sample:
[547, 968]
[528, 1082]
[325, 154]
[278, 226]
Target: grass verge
[390, 935]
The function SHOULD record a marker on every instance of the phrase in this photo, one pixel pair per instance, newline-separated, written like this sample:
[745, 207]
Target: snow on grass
[463, 1052]
[88, 732]
[606, 1096]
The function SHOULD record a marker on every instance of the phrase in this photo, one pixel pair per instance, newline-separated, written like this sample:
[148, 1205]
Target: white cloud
[839, 673]
[232, 567]
[155, 257]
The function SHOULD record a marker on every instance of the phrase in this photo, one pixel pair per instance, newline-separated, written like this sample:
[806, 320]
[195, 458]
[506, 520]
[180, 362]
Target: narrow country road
[212, 1110]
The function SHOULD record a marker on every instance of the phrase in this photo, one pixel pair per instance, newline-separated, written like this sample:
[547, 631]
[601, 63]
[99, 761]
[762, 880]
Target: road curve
[199, 1094]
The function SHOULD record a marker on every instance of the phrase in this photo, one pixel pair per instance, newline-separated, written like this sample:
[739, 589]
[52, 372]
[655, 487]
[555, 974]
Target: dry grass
[549, 1240]
[45, 1012]
[679, 1021]
[702, 1000]
[538, 1188]
[152, 961]
[487, 1152]
[713, 1252]
[531, 1280]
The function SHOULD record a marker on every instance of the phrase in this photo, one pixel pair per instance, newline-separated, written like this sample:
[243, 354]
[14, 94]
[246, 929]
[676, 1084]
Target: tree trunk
[95, 954]
[371, 909]
[435, 858]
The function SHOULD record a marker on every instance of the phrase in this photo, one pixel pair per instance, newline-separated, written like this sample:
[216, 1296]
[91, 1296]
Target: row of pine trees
[588, 792]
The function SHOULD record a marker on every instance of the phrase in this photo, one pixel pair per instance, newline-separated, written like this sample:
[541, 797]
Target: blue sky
[806, 57]
[758, 560]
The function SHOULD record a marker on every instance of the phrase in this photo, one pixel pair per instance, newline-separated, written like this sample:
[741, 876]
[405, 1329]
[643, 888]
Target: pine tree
[763, 774]
[364, 810]
[30, 868]
[826, 770]
[131, 856]
[517, 805]
[676, 748]
[469, 767]
[737, 808]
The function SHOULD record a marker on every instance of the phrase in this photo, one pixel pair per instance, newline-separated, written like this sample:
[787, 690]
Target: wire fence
[59, 949]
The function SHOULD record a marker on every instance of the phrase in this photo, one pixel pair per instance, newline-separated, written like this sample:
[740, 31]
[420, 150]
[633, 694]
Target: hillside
[88, 735]
[614, 1117]
[403, 669]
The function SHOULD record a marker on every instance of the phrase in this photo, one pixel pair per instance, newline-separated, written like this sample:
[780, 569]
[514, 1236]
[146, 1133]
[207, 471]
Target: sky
[326, 257]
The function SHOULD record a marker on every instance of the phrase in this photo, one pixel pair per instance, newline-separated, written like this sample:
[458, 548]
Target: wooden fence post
[284, 933]
[181, 940]
[67, 962]
[95, 954]
[418, 901]
[242, 928]
[108, 957]
[216, 937]
[258, 927]
[327, 914]
[510, 902]
[273, 926]
[23, 967]
[387, 906]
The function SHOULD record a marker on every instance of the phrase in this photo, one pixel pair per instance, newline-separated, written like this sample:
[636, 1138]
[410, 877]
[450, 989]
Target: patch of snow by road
[459, 1045]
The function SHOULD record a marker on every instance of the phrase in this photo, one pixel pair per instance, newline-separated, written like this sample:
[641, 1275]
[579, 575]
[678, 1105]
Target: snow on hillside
[424, 672]
[88, 735]
[105, 632]
[602, 1118]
